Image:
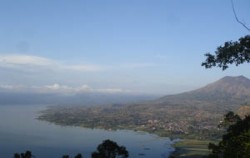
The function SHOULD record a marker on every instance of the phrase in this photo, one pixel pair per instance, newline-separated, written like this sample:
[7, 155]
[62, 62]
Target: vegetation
[190, 147]
[236, 142]
[77, 156]
[27, 154]
[194, 114]
[110, 149]
[107, 149]
[172, 121]
[237, 52]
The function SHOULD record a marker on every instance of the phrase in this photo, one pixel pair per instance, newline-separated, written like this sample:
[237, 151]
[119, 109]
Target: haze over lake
[132, 64]
[21, 131]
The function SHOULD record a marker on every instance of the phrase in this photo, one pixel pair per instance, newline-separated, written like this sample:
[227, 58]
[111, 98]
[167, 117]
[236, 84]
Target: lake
[21, 131]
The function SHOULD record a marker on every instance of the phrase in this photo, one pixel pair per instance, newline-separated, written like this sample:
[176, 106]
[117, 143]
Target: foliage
[79, 156]
[27, 154]
[107, 149]
[236, 142]
[229, 119]
[110, 149]
[237, 52]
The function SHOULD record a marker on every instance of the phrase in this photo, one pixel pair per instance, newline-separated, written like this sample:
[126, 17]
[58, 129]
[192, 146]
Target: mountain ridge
[193, 114]
[229, 90]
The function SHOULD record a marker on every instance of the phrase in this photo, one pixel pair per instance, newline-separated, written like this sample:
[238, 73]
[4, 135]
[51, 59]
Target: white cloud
[60, 89]
[36, 63]
[11, 87]
[24, 60]
[63, 88]
[32, 62]
[54, 86]
[112, 90]
[84, 88]
[81, 67]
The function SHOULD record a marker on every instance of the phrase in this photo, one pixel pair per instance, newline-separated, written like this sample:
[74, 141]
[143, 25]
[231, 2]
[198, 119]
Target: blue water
[21, 131]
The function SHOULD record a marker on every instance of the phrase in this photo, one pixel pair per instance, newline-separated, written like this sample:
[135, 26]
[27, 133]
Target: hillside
[230, 91]
[193, 114]
[243, 111]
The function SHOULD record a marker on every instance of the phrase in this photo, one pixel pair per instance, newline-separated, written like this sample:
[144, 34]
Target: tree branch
[236, 17]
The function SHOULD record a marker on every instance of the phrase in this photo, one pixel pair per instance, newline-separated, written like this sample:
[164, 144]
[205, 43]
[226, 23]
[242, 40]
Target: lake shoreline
[180, 150]
[21, 131]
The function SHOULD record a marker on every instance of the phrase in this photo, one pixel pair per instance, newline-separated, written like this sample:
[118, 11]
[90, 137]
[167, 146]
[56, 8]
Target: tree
[110, 149]
[229, 119]
[27, 154]
[107, 149]
[236, 142]
[16, 155]
[78, 156]
[237, 52]
[236, 17]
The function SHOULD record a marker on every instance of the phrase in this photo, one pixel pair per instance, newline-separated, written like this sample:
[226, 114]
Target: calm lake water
[21, 131]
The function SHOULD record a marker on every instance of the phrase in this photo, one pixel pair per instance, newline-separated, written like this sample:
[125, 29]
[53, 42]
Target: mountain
[233, 87]
[226, 91]
[193, 114]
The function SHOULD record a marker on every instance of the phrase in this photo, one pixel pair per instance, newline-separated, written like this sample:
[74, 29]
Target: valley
[178, 122]
[194, 114]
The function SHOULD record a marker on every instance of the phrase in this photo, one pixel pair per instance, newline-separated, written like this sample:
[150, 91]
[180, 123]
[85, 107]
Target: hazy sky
[146, 46]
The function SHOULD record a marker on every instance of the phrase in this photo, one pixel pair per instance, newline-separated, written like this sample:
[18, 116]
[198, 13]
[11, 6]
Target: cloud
[81, 67]
[9, 87]
[63, 88]
[34, 62]
[24, 60]
[112, 90]
[84, 88]
[59, 89]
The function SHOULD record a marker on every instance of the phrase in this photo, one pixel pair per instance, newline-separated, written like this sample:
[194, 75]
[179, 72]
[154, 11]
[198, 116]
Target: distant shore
[184, 148]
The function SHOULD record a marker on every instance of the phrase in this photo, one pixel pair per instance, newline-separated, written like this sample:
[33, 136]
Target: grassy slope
[191, 148]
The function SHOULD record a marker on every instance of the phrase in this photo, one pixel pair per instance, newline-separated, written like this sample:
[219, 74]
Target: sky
[115, 46]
